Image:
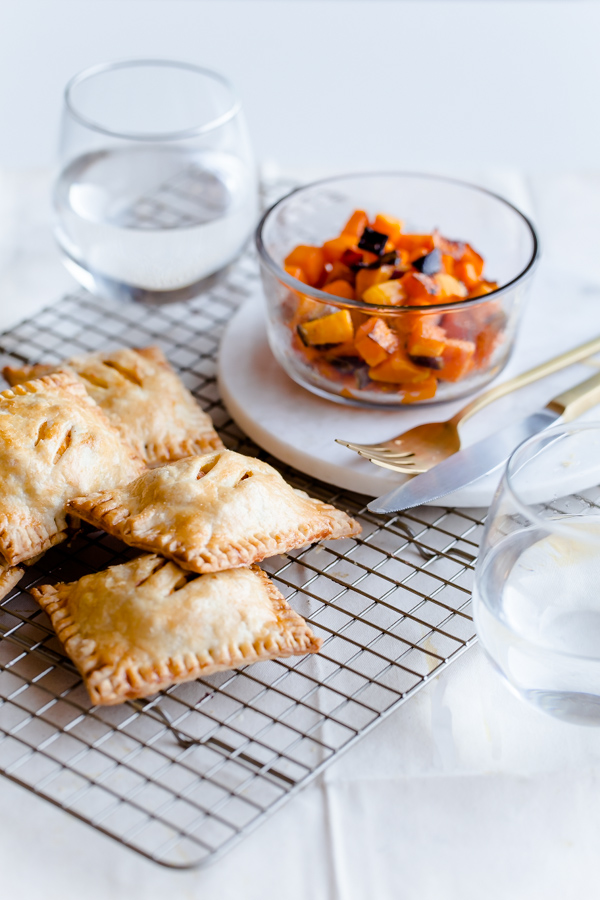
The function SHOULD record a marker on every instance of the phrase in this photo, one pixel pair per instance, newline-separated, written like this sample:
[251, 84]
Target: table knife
[489, 454]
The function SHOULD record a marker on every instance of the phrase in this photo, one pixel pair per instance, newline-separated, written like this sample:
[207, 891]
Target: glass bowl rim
[343, 303]
[101, 68]
[506, 482]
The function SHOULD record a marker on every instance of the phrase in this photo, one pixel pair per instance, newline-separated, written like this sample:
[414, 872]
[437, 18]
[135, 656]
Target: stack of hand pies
[116, 439]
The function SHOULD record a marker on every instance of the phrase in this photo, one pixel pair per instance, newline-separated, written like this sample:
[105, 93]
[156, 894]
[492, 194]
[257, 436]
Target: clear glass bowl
[316, 213]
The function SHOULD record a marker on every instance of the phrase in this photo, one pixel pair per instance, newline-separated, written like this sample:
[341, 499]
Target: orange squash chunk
[426, 339]
[357, 223]
[420, 289]
[297, 273]
[310, 259]
[339, 272]
[340, 288]
[399, 369]
[457, 358]
[335, 249]
[485, 343]
[412, 242]
[450, 288]
[388, 225]
[374, 341]
[415, 393]
[335, 328]
[366, 278]
[484, 287]
[390, 293]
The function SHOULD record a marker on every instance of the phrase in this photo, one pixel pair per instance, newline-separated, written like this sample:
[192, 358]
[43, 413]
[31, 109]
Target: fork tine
[396, 467]
[358, 448]
[389, 457]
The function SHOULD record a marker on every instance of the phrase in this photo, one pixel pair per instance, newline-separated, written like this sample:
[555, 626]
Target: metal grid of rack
[182, 777]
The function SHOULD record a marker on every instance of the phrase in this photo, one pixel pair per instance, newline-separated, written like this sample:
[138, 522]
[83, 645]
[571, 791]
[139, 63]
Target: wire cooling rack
[184, 776]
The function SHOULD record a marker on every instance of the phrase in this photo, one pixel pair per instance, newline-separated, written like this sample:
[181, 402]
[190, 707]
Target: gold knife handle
[577, 354]
[573, 403]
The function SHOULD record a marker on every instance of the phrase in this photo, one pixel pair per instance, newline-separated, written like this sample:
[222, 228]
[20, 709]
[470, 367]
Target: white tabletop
[463, 792]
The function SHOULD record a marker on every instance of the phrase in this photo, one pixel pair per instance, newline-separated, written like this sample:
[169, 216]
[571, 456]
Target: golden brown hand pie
[214, 512]
[55, 444]
[143, 397]
[139, 627]
[10, 576]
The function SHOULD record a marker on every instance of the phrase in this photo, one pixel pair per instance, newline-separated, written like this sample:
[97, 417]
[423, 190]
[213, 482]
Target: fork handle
[514, 384]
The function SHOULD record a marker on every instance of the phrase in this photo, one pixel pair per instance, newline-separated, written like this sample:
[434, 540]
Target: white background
[336, 84]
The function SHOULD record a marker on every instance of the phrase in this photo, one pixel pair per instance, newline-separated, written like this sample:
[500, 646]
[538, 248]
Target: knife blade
[488, 454]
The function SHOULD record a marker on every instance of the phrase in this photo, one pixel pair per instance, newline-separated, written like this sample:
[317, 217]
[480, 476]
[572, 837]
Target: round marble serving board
[299, 428]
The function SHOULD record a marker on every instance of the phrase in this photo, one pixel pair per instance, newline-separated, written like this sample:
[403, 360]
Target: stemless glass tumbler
[157, 186]
[537, 579]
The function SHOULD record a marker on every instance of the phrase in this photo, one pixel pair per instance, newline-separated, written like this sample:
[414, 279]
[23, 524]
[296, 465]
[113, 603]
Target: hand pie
[10, 576]
[213, 512]
[55, 444]
[139, 627]
[143, 397]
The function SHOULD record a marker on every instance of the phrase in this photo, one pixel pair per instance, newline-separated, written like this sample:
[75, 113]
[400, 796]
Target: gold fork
[424, 446]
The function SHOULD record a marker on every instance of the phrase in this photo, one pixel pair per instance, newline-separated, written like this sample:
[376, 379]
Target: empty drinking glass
[157, 185]
[537, 579]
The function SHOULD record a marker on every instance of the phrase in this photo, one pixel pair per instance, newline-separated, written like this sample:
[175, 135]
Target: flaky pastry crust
[213, 512]
[10, 576]
[143, 397]
[137, 628]
[55, 444]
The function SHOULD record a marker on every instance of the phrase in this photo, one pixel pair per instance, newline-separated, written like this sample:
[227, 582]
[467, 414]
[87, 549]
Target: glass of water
[537, 580]
[157, 188]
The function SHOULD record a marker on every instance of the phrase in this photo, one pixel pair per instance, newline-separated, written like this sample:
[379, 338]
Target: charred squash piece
[420, 289]
[335, 328]
[374, 341]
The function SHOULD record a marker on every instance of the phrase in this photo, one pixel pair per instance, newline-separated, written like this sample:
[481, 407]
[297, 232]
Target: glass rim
[332, 300]
[507, 484]
[193, 131]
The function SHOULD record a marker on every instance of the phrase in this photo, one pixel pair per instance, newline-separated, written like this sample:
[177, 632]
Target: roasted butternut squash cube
[415, 393]
[336, 328]
[399, 369]
[297, 272]
[449, 287]
[374, 341]
[420, 289]
[335, 249]
[340, 288]
[357, 223]
[426, 339]
[457, 360]
[366, 278]
[388, 225]
[310, 259]
[390, 293]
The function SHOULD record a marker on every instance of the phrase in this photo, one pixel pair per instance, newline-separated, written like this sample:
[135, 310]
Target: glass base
[109, 288]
